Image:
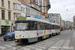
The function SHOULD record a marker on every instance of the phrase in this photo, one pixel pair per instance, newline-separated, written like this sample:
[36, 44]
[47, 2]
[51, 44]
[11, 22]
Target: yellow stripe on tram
[44, 34]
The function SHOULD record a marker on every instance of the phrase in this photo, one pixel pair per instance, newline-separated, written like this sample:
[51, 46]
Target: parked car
[9, 35]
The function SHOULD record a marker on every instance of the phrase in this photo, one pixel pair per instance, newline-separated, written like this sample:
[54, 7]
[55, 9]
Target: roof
[40, 20]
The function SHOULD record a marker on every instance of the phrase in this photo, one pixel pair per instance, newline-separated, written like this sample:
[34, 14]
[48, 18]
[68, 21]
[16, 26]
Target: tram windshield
[22, 26]
[25, 25]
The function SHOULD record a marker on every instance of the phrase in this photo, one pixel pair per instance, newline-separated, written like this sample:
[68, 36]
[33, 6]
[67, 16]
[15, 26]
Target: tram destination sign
[21, 18]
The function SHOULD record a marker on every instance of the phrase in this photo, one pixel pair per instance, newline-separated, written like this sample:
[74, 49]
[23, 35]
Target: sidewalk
[1, 38]
[72, 43]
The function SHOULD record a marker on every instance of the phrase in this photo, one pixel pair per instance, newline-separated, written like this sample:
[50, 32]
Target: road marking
[39, 49]
[7, 45]
[66, 44]
[24, 48]
[73, 34]
[1, 39]
[12, 48]
[51, 49]
[57, 43]
[1, 47]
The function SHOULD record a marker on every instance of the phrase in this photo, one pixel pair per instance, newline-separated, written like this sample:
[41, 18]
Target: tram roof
[40, 20]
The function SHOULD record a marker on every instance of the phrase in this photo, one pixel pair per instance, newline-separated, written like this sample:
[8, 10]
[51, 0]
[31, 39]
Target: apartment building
[44, 5]
[9, 9]
[50, 17]
[68, 24]
[74, 21]
[62, 23]
[55, 18]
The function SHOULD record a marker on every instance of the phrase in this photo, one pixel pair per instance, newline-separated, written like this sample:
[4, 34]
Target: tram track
[60, 45]
[16, 47]
[45, 44]
[69, 37]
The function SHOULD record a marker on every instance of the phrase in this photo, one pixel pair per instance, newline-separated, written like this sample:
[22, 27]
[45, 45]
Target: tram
[30, 30]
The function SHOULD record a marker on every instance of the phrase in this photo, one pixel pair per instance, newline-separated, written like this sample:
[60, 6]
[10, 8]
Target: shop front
[5, 26]
[5, 29]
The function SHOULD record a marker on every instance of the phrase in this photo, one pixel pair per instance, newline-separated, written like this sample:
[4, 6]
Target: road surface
[64, 41]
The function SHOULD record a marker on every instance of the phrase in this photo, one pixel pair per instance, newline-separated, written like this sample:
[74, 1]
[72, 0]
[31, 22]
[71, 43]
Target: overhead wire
[64, 7]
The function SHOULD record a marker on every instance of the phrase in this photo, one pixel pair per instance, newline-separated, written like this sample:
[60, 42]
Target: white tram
[31, 30]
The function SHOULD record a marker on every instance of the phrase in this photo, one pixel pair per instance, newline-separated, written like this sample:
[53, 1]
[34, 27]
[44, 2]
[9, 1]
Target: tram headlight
[19, 34]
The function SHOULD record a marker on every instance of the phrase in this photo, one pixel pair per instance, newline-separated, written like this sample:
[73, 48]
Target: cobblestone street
[58, 42]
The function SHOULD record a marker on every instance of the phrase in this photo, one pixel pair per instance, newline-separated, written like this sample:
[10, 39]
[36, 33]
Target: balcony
[35, 7]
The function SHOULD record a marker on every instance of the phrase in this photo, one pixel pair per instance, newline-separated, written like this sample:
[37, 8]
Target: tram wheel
[50, 35]
[59, 32]
[40, 39]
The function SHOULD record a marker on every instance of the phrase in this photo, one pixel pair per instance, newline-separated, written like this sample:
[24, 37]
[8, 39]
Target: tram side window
[48, 26]
[33, 25]
[55, 27]
[45, 26]
[52, 26]
[40, 26]
[58, 27]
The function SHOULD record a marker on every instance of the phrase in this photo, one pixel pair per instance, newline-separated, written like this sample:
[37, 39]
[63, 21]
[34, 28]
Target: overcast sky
[65, 7]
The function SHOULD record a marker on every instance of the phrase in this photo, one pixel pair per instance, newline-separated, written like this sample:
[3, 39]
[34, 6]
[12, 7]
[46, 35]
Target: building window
[3, 14]
[17, 6]
[22, 9]
[41, 9]
[9, 4]
[9, 15]
[27, 0]
[44, 9]
[40, 2]
[31, 1]
[16, 15]
[43, 2]
[13, 5]
[2, 2]
[36, 1]
[27, 12]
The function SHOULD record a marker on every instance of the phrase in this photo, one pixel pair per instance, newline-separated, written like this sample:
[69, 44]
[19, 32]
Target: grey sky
[65, 7]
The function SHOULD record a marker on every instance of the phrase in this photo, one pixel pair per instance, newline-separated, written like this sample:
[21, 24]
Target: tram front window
[22, 26]
[26, 25]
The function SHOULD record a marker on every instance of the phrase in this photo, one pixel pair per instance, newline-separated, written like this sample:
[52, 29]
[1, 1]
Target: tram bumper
[26, 40]
[21, 41]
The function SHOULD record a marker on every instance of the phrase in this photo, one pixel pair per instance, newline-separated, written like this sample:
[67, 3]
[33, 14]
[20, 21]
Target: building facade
[54, 17]
[9, 9]
[43, 4]
[68, 24]
[50, 17]
[74, 21]
[63, 23]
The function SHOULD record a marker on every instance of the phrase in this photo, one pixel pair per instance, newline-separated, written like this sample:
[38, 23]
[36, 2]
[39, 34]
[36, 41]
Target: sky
[66, 8]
